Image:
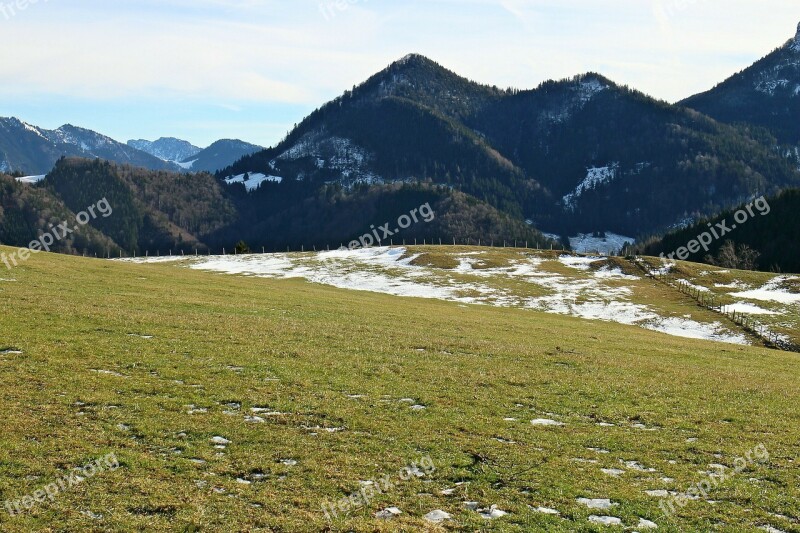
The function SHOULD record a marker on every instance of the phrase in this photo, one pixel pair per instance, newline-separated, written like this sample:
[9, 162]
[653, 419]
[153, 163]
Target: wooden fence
[712, 302]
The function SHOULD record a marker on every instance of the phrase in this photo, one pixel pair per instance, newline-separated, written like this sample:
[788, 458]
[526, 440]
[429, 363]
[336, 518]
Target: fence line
[518, 244]
[711, 301]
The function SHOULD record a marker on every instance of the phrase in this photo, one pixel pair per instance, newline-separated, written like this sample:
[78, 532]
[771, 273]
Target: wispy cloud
[236, 53]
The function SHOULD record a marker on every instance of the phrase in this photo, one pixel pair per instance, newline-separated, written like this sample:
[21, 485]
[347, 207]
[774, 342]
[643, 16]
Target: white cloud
[304, 52]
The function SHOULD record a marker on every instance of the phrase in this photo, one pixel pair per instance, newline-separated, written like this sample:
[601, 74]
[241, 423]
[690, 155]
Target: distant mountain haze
[32, 150]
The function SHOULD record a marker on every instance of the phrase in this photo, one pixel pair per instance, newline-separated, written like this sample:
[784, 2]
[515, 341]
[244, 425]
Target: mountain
[772, 232]
[576, 155]
[33, 150]
[616, 159]
[166, 148]
[765, 94]
[219, 155]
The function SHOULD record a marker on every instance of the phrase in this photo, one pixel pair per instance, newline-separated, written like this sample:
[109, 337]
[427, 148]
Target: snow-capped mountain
[34, 150]
[766, 94]
[167, 148]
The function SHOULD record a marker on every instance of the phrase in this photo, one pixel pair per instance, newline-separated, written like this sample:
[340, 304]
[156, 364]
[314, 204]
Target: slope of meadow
[239, 403]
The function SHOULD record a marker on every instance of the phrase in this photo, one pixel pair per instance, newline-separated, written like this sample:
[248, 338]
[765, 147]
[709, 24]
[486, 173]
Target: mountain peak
[166, 148]
[412, 58]
[795, 44]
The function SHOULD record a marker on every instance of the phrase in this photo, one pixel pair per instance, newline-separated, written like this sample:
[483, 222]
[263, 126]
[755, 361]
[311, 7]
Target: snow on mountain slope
[252, 181]
[581, 91]
[783, 74]
[587, 243]
[88, 140]
[590, 87]
[338, 154]
[29, 127]
[35, 150]
[31, 179]
[587, 287]
[595, 176]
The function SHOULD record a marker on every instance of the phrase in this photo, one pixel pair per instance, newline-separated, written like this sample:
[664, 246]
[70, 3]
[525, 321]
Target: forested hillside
[156, 211]
[26, 212]
[152, 210]
[289, 214]
[577, 155]
[770, 241]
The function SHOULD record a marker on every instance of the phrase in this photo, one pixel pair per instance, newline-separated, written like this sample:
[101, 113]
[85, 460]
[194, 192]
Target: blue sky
[250, 69]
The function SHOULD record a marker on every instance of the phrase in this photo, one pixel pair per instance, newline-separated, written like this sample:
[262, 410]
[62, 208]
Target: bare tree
[730, 256]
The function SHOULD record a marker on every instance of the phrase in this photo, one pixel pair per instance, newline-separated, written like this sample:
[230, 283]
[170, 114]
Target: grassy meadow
[312, 390]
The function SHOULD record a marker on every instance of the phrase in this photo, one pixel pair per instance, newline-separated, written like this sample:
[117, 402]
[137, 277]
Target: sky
[202, 70]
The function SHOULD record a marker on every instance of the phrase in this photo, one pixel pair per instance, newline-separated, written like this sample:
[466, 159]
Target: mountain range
[189, 157]
[31, 150]
[580, 155]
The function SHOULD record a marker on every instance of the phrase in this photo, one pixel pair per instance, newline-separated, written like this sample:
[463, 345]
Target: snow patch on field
[748, 309]
[331, 268]
[594, 294]
[771, 292]
[163, 259]
[578, 262]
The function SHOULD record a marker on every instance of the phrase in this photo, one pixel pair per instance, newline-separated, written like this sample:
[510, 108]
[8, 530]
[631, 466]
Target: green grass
[302, 349]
